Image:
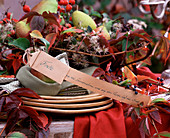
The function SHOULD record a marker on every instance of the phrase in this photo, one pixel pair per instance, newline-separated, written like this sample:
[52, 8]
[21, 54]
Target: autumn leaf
[155, 115]
[98, 72]
[46, 5]
[130, 75]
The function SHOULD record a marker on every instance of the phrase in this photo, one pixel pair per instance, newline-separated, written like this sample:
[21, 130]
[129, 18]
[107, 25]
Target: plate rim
[67, 106]
[81, 111]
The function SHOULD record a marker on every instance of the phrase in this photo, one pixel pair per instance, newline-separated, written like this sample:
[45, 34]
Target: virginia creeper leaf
[51, 18]
[16, 134]
[155, 115]
[46, 5]
[98, 72]
[158, 100]
[25, 92]
[21, 43]
[36, 34]
[37, 23]
[72, 30]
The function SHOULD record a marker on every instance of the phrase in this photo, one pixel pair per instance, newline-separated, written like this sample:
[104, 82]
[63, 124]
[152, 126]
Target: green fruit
[103, 31]
[80, 19]
[22, 29]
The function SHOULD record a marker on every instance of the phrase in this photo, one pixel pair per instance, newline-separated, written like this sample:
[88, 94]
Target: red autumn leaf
[108, 66]
[13, 118]
[155, 115]
[33, 114]
[2, 99]
[141, 128]
[29, 16]
[16, 60]
[51, 18]
[14, 98]
[37, 23]
[43, 118]
[16, 65]
[98, 72]
[133, 116]
[22, 114]
[146, 127]
[10, 106]
[51, 38]
[108, 77]
[25, 92]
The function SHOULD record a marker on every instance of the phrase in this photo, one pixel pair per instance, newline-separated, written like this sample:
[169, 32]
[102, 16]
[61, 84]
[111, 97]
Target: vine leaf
[155, 115]
[37, 23]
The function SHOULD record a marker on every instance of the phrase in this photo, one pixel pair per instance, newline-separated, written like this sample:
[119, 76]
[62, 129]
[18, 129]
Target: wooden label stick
[58, 71]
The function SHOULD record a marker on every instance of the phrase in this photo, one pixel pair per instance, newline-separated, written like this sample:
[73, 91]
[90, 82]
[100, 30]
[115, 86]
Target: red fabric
[111, 123]
[104, 124]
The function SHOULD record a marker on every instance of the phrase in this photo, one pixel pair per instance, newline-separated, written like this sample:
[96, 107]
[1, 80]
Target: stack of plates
[70, 104]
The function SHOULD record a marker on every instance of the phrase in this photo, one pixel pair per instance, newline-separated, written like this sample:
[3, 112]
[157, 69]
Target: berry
[72, 2]
[135, 86]
[68, 8]
[62, 10]
[59, 7]
[125, 78]
[162, 83]
[134, 89]
[161, 79]
[8, 15]
[65, 2]
[26, 8]
[136, 92]
[68, 25]
[61, 2]
[158, 78]
[12, 32]
[70, 19]
[150, 84]
[127, 86]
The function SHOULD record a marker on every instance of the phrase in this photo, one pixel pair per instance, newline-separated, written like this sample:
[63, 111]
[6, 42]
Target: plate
[69, 97]
[80, 111]
[80, 105]
[94, 98]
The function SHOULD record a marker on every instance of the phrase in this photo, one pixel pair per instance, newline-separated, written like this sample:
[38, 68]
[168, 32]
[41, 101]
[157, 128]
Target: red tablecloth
[112, 124]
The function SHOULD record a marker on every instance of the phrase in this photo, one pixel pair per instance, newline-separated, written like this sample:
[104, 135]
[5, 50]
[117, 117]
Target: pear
[103, 31]
[41, 76]
[22, 28]
[80, 19]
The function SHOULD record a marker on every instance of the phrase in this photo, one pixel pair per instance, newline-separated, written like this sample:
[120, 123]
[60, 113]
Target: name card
[58, 71]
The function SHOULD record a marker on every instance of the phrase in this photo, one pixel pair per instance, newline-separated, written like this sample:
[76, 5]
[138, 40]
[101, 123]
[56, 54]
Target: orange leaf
[43, 118]
[130, 75]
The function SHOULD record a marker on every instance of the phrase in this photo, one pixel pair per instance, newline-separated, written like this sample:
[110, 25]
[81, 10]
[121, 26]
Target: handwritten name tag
[58, 71]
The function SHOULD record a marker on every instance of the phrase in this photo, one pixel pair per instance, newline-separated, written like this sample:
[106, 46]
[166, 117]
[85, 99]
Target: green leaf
[109, 25]
[72, 30]
[62, 21]
[47, 44]
[95, 13]
[124, 83]
[73, 40]
[124, 44]
[46, 5]
[89, 29]
[163, 133]
[21, 43]
[89, 2]
[85, 10]
[158, 100]
[115, 82]
[16, 135]
[104, 3]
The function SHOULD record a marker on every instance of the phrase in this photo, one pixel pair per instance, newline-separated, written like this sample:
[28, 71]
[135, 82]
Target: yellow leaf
[130, 75]
[36, 34]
